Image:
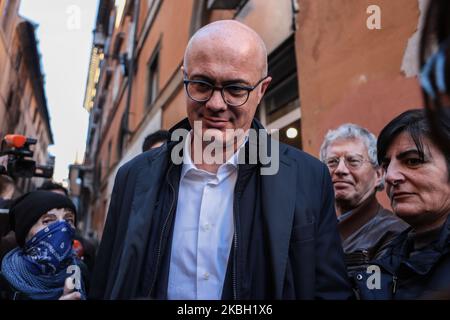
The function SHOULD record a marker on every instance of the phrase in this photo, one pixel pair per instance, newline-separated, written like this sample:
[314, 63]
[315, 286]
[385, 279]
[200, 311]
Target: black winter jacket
[286, 244]
[409, 274]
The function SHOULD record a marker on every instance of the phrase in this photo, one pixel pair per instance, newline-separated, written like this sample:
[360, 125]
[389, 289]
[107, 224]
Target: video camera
[20, 164]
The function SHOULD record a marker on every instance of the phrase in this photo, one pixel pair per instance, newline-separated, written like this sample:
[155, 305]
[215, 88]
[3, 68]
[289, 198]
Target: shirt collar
[189, 165]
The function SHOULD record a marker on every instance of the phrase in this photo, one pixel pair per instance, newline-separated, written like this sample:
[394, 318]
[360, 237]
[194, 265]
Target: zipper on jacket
[235, 265]
[158, 252]
[394, 284]
[235, 245]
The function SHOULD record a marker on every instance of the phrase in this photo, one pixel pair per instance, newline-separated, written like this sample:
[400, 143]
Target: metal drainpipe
[132, 65]
[295, 10]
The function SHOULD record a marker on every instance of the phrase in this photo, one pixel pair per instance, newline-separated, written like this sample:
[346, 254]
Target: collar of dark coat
[278, 199]
[359, 217]
[420, 263]
[285, 161]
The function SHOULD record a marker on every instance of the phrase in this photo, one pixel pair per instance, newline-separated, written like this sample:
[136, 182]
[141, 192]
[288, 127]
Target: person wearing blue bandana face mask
[44, 266]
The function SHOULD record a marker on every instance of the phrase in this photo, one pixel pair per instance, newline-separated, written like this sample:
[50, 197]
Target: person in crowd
[44, 266]
[84, 247]
[155, 140]
[197, 229]
[435, 76]
[366, 228]
[7, 190]
[417, 173]
[52, 186]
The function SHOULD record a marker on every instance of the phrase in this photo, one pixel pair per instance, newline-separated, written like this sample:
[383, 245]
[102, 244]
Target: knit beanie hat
[26, 210]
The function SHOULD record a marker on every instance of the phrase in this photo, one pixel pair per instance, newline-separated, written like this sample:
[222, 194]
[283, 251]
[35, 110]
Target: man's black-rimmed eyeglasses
[234, 95]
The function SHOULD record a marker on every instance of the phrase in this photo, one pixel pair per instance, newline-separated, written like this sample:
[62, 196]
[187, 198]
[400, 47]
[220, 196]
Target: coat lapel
[134, 247]
[278, 203]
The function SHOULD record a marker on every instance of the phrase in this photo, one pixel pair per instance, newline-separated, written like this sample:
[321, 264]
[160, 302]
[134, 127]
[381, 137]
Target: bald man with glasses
[222, 229]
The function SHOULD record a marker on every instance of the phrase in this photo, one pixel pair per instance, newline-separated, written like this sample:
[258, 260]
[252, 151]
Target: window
[120, 6]
[122, 135]
[280, 108]
[98, 176]
[282, 95]
[35, 113]
[153, 78]
[12, 109]
[38, 127]
[18, 60]
[116, 83]
[226, 4]
[9, 101]
[108, 161]
[108, 76]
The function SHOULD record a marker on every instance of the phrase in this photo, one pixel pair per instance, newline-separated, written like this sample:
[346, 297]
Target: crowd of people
[314, 229]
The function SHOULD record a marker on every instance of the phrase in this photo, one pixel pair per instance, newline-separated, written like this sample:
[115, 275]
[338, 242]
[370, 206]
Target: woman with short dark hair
[417, 263]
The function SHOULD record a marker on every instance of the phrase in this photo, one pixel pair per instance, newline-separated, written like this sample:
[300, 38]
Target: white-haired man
[366, 228]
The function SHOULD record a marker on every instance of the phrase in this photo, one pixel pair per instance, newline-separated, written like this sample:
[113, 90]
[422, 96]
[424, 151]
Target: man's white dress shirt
[203, 231]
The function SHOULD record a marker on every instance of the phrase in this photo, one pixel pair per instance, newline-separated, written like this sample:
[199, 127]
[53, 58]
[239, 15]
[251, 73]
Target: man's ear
[264, 86]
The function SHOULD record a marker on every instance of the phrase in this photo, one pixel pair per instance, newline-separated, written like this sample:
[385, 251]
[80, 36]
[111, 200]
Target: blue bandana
[50, 250]
[40, 268]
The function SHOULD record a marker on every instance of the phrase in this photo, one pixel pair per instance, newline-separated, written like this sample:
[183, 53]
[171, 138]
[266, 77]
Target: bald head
[229, 35]
[229, 57]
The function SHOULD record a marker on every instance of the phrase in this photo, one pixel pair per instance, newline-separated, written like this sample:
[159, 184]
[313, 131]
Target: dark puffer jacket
[408, 274]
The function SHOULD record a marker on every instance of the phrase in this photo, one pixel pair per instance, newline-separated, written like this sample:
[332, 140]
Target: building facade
[331, 61]
[23, 103]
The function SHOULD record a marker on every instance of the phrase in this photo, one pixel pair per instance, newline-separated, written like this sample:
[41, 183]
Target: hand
[69, 293]
[4, 161]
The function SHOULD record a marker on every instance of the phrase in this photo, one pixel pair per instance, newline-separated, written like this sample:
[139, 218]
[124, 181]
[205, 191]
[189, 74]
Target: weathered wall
[348, 73]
